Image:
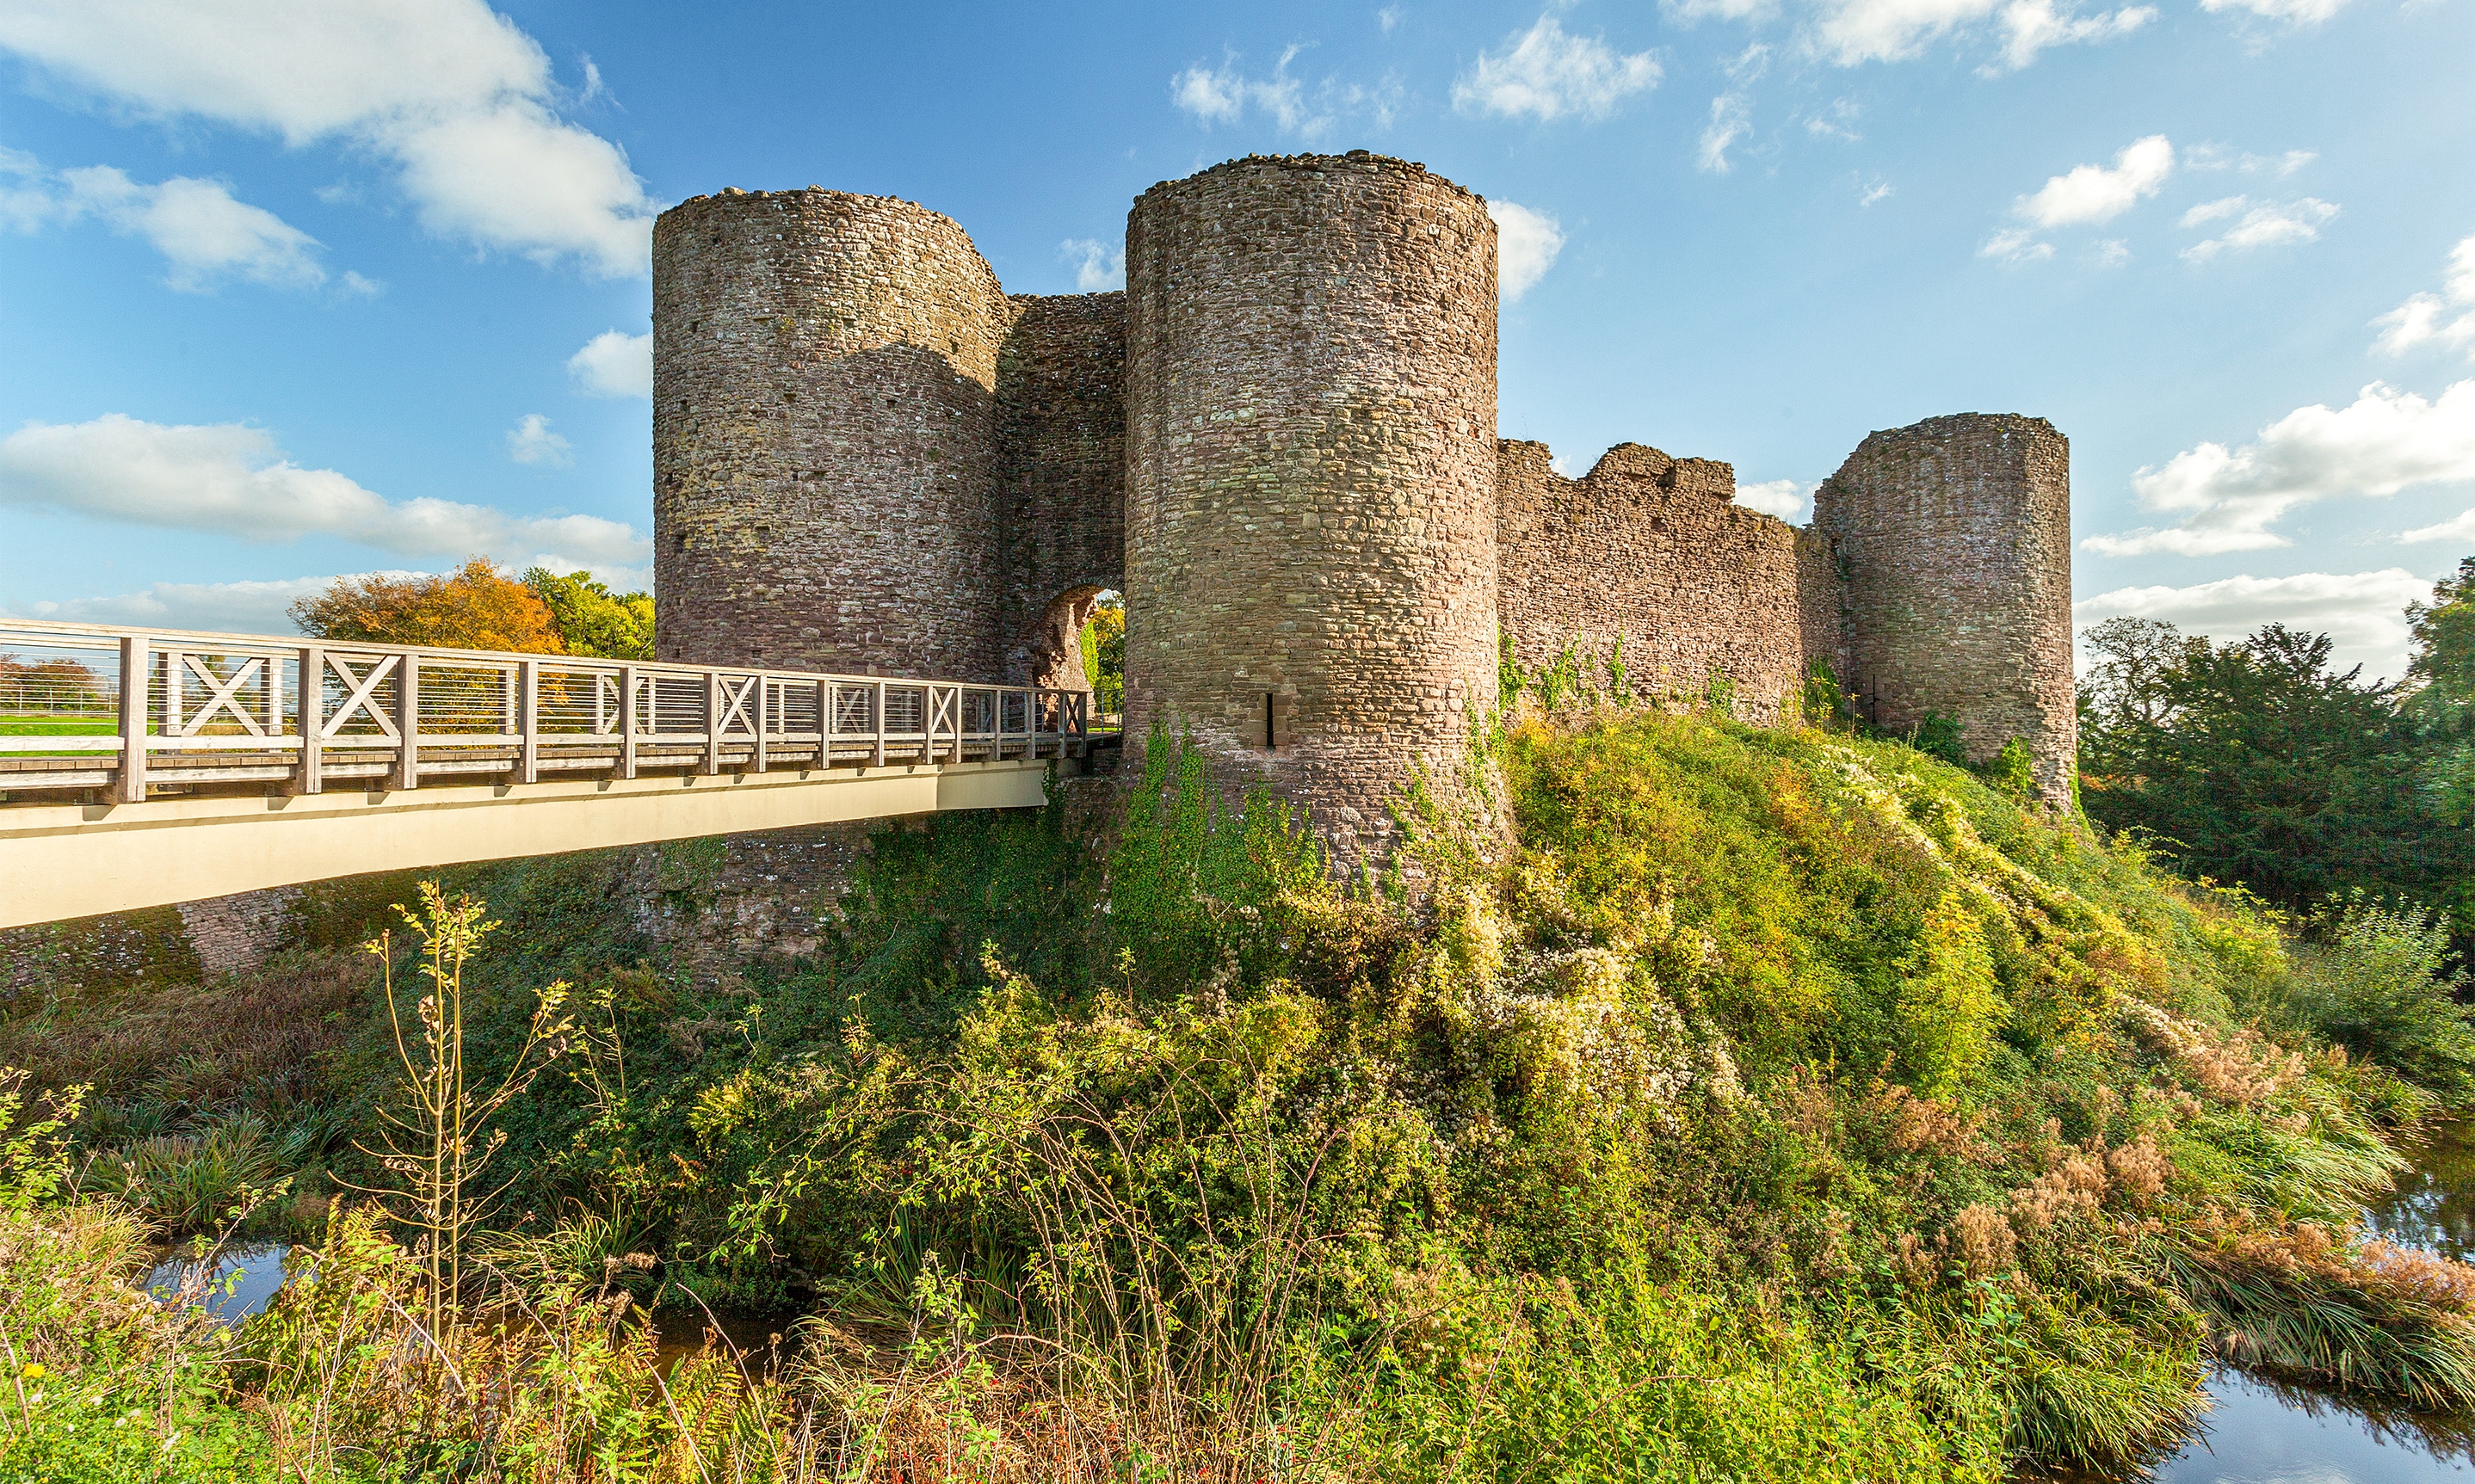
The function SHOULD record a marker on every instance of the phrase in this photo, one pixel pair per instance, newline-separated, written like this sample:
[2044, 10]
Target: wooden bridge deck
[144, 768]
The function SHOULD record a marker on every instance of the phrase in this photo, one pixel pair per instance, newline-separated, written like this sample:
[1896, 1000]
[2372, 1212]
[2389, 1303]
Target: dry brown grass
[259, 1040]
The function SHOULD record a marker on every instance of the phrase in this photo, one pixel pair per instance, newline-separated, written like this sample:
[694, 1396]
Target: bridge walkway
[142, 768]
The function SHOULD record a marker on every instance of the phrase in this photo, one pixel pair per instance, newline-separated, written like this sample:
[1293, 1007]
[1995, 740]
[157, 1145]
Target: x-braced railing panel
[91, 706]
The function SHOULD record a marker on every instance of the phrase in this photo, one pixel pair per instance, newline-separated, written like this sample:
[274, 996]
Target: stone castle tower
[1279, 443]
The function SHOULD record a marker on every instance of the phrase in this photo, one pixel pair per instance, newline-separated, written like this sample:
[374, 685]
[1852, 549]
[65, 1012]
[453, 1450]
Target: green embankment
[1757, 1106]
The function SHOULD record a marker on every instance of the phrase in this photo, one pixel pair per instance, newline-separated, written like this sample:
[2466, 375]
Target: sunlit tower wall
[1954, 542]
[825, 465]
[1310, 523]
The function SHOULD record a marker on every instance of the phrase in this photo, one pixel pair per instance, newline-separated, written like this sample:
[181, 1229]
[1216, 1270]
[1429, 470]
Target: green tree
[592, 618]
[471, 608]
[1104, 655]
[2441, 678]
[2257, 762]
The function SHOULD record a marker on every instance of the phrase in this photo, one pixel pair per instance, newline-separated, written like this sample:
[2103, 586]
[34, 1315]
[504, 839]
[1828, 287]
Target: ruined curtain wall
[1656, 551]
[1062, 476]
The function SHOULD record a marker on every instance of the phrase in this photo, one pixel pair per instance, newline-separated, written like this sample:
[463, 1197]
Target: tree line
[2259, 762]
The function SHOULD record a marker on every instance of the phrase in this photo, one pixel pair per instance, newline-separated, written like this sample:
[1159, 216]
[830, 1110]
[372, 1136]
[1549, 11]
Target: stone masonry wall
[1311, 533]
[1653, 552]
[1062, 476]
[1954, 538]
[824, 480]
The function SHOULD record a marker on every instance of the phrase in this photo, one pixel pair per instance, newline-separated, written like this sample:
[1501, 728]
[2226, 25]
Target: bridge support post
[627, 682]
[408, 725]
[711, 723]
[529, 718]
[135, 660]
[880, 723]
[312, 777]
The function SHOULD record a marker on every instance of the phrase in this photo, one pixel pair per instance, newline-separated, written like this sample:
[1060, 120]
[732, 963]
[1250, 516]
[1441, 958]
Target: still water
[2259, 1432]
[2255, 1432]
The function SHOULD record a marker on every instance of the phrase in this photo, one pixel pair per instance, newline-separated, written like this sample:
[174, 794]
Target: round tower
[1310, 526]
[824, 372]
[1953, 540]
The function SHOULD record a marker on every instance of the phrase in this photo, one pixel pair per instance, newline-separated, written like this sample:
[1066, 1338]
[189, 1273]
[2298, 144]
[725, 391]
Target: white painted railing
[225, 709]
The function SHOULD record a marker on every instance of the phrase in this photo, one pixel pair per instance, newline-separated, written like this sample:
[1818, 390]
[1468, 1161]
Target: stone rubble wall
[1653, 553]
[1953, 537]
[1311, 533]
[1060, 460]
[825, 455]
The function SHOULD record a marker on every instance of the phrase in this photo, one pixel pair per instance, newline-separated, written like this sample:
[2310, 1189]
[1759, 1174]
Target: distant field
[56, 726]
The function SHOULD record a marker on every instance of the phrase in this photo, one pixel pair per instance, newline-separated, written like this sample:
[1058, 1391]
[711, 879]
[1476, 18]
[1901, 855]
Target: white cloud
[1545, 74]
[1836, 122]
[531, 442]
[2421, 319]
[1526, 245]
[2016, 245]
[2364, 612]
[2030, 26]
[232, 479]
[614, 364]
[2111, 253]
[1391, 16]
[2266, 223]
[209, 607]
[456, 96]
[1782, 497]
[1689, 11]
[1731, 119]
[2386, 441]
[2297, 12]
[1869, 192]
[2457, 528]
[2218, 157]
[1222, 95]
[204, 232]
[1097, 266]
[2097, 193]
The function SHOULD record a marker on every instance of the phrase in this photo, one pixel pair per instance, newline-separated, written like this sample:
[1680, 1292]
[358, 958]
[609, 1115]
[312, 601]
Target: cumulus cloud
[206, 236]
[1526, 245]
[2111, 253]
[233, 479]
[1544, 73]
[2228, 497]
[2364, 612]
[2457, 528]
[1097, 266]
[2086, 194]
[2099, 193]
[614, 364]
[531, 442]
[453, 96]
[2445, 319]
[2262, 224]
[209, 607]
[1224, 95]
[1782, 497]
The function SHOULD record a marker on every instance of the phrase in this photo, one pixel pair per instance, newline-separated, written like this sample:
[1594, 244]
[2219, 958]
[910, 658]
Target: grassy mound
[1766, 1104]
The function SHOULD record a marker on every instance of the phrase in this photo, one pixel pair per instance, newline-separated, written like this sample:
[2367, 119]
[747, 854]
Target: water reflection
[2434, 1204]
[244, 1280]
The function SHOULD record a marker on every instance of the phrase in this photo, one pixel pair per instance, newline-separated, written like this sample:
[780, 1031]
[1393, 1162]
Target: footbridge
[142, 768]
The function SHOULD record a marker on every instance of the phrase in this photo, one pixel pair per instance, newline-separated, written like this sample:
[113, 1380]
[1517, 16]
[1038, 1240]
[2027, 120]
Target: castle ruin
[1279, 442]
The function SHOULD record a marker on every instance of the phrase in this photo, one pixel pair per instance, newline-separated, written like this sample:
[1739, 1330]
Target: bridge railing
[220, 709]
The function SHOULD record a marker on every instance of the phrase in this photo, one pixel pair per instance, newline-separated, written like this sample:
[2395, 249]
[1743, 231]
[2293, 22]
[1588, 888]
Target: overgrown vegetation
[1763, 1104]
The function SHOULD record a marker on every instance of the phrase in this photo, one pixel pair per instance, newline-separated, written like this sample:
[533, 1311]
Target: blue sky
[294, 288]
